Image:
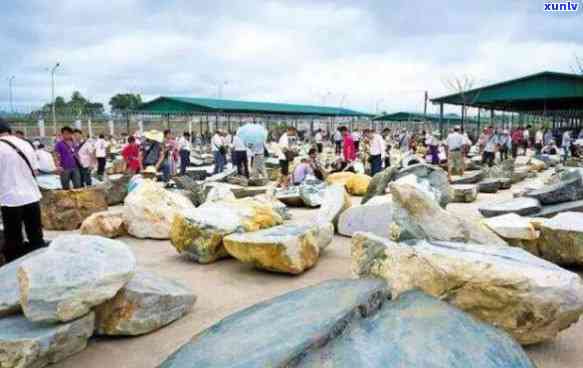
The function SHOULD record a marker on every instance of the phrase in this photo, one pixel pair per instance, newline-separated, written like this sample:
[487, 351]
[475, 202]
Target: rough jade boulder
[148, 302]
[339, 178]
[290, 196]
[468, 178]
[75, 274]
[568, 189]
[516, 230]
[312, 195]
[561, 239]
[371, 217]
[196, 192]
[9, 292]
[334, 202]
[417, 216]
[290, 248]
[24, 344]
[521, 206]
[519, 174]
[66, 209]
[552, 210]
[503, 170]
[528, 297]
[109, 224]
[219, 192]
[489, 186]
[274, 203]
[199, 233]
[357, 185]
[348, 324]
[150, 209]
[428, 176]
[463, 193]
[116, 188]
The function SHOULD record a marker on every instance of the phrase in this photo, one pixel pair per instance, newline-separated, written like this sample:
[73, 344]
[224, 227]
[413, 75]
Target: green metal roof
[185, 105]
[419, 116]
[545, 91]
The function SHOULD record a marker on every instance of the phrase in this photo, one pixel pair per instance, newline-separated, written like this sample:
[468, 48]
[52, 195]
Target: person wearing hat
[152, 149]
[19, 195]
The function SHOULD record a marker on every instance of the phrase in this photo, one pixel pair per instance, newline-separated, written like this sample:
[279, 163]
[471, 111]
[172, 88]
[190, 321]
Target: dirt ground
[227, 286]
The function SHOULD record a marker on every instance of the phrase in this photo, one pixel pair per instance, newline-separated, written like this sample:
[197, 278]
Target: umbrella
[252, 134]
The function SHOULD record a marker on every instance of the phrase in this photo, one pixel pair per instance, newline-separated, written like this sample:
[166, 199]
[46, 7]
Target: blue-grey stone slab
[569, 188]
[350, 323]
[9, 292]
[522, 206]
[417, 330]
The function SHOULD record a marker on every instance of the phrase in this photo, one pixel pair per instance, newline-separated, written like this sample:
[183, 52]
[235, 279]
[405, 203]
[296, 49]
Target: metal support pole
[441, 120]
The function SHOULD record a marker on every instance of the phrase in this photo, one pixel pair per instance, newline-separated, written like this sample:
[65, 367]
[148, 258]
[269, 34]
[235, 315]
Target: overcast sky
[285, 51]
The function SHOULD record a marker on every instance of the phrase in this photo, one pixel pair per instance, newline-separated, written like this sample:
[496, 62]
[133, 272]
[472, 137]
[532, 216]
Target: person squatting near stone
[19, 195]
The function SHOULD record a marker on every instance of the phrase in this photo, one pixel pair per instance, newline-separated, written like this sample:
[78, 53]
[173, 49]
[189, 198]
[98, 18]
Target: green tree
[123, 102]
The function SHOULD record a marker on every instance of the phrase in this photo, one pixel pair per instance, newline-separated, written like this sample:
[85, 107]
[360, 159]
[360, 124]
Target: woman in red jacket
[348, 149]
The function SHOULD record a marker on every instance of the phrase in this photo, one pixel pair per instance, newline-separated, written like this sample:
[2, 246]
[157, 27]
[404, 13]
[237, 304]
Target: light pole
[377, 105]
[54, 68]
[10, 93]
[220, 88]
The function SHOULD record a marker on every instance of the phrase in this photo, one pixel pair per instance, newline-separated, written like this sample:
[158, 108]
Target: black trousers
[14, 219]
[184, 161]
[239, 159]
[488, 158]
[100, 166]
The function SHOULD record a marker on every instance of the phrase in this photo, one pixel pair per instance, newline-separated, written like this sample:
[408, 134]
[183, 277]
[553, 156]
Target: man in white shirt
[455, 142]
[101, 154]
[239, 156]
[19, 195]
[318, 140]
[46, 161]
[285, 155]
[184, 149]
[376, 151]
[219, 149]
[492, 144]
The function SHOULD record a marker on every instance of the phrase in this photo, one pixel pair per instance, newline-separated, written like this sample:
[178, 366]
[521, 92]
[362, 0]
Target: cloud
[365, 53]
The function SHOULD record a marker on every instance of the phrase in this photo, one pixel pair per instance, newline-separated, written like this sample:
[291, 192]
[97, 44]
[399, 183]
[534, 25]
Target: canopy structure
[189, 105]
[415, 117]
[551, 95]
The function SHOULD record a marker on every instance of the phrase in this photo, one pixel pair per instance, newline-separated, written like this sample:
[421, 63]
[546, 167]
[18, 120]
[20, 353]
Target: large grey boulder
[521, 206]
[463, 193]
[516, 230]
[312, 195]
[489, 186]
[552, 210]
[290, 196]
[116, 188]
[569, 188]
[428, 176]
[371, 217]
[147, 303]
[519, 174]
[502, 170]
[530, 298]
[75, 274]
[347, 324]
[468, 178]
[335, 201]
[561, 239]
[24, 344]
[9, 292]
[417, 216]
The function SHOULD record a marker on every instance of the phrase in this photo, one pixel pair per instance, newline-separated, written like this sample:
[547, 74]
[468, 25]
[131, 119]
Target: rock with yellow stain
[150, 209]
[536, 165]
[340, 178]
[528, 297]
[148, 302]
[290, 248]
[109, 224]
[67, 209]
[357, 185]
[75, 274]
[199, 233]
[420, 217]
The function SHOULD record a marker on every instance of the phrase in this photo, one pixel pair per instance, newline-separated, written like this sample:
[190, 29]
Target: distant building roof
[185, 105]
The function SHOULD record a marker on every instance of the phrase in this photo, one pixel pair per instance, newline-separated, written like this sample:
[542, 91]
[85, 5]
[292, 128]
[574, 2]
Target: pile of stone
[530, 298]
[351, 323]
[431, 179]
[53, 300]
[565, 193]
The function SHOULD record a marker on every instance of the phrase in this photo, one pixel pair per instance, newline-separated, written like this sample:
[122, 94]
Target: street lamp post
[10, 93]
[54, 68]
[220, 88]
